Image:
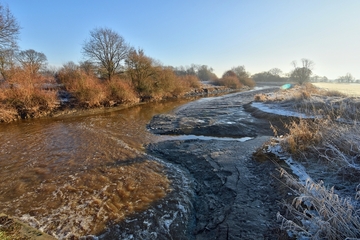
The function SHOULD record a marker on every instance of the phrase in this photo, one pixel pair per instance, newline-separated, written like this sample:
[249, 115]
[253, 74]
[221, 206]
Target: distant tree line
[114, 71]
[299, 74]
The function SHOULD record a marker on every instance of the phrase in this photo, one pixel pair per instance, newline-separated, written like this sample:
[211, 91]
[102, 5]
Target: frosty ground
[242, 188]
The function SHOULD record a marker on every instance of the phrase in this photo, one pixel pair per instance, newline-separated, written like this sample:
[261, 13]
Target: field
[351, 89]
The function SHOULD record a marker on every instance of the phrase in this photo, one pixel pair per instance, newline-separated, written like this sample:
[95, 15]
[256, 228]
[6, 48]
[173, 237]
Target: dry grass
[261, 97]
[23, 93]
[303, 135]
[319, 213]
[90, 91]
[10, 229]
[85, 88]
[7, 114]
[330, 143]
[120, 91]
[13, 229]
[340, 145]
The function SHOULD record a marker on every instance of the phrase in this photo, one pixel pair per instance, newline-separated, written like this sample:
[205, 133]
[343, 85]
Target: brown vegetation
[89, 91]
[229, 81]
[13, 229]
[235, 80]
[152, 81]
[23, 95]
[331, 143]
[319, 213]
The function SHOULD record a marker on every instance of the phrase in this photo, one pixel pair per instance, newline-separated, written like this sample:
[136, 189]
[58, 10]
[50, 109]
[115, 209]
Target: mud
[234, 196]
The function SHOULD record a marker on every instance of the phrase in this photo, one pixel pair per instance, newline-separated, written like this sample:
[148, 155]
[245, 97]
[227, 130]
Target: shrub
[248, 82]
[229, 81]
[189, 81]
[26, 91]
[121, 91]
[7, 114]
[87, 89]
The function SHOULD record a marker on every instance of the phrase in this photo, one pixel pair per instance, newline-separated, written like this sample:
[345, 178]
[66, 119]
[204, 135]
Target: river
[71, 176]
[97, 175]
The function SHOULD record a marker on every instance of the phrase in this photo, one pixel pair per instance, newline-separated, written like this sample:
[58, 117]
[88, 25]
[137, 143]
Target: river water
[81, 175]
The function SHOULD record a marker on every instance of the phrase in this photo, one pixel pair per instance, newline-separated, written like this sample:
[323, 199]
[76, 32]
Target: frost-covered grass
[318, 212]
[322, 209]
[323, 158]
[308, 101]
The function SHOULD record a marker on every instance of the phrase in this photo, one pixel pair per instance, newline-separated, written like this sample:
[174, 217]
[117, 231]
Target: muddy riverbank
[235, 196]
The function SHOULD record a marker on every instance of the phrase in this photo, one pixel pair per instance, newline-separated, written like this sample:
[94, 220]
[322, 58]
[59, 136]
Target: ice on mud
[276, 109]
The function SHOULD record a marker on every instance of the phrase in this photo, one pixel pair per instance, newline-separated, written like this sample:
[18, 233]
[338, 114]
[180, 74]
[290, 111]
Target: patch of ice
[167, 220]
[297, 168]
[182, 208]
[275, 109]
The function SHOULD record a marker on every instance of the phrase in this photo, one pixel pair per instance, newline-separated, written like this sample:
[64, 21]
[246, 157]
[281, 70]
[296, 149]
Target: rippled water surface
[74, 175]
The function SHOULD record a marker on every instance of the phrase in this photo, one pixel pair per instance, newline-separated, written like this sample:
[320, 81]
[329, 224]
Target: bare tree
[240, 72]
[348, 78]
[205, 73]
[9, 29]
[32, 60]
[275, 72]
[301, 74]
[7, 61]
[140, 69]
[107, 49]
[88, 67]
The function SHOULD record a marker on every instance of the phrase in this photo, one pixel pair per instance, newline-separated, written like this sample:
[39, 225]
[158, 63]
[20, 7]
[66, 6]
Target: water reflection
[72, 175]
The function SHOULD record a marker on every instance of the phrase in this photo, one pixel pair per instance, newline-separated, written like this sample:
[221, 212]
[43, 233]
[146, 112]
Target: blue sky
[221, 34]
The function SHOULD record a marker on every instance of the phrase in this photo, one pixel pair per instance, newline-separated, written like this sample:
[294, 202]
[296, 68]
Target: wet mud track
[234, 196]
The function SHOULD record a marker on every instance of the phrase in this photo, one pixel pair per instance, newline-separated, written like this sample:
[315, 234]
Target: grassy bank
[13, 229]
[24, 95]
[325, 202]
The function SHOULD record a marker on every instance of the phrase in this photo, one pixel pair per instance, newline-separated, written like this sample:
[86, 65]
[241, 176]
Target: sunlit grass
[351, 89]
[330, 141]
